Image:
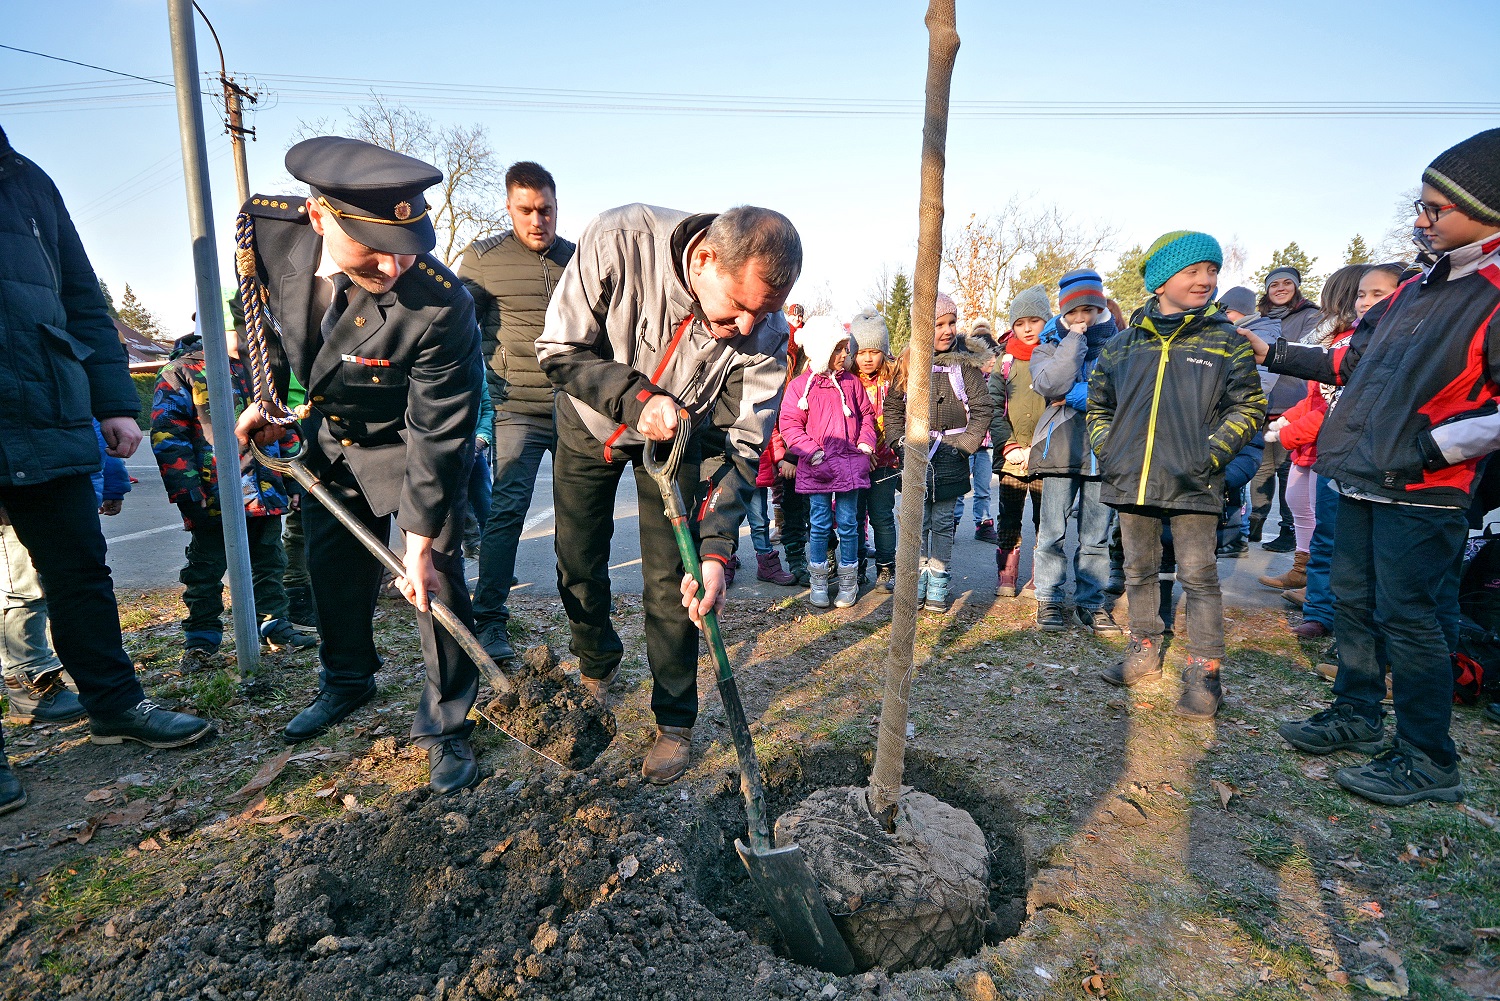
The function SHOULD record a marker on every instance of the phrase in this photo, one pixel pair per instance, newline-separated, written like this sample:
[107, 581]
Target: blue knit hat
[1081, 287]
[1181, 248]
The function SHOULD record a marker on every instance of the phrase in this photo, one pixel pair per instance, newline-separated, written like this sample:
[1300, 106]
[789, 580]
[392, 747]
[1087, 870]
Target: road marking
[141, 535]
[536, 520]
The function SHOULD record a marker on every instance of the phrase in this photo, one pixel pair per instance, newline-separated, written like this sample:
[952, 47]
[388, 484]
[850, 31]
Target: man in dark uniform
[382, 339]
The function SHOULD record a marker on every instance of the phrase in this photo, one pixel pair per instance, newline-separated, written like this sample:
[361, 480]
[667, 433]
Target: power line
[101, 69]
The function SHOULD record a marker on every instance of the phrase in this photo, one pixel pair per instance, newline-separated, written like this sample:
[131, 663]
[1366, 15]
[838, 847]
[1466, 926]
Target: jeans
[58, 522]
[1395, 588]
[203, 578]
[519, 447]
[760, 523]
[826, 511]
[877, 508]
[25, 639]
[937, 535]
[1194, 539]
[1318, 607]
[481, 492]
[982, 469]
[1091, 561]
[585, 526]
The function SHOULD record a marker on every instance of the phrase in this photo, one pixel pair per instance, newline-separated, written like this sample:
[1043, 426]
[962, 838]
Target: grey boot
[848, 585]
[818, 588]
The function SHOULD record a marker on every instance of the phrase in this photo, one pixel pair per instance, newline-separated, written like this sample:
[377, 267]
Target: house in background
[145, 355]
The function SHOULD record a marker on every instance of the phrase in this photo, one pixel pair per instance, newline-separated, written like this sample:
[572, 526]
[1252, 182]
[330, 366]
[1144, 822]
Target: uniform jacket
[623, 326]
[1018, 408]
[1421, 380]
[182, 439]
[1061, 364]
[511, 285]
[1171, 402]
[968, 421]
[61, 363]
[394, 389]
[824, 426]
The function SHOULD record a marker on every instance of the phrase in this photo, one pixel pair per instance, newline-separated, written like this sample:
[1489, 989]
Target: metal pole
[211, 322]
[237, 140]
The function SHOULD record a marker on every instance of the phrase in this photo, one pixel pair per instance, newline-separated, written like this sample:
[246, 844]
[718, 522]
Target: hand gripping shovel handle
[664, 472]
[446, 618]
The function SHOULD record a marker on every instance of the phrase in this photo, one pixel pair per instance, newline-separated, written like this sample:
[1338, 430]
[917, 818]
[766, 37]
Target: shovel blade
[795, 903]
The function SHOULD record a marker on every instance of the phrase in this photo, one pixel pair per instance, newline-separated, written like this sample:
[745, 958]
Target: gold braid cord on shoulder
[257, 316]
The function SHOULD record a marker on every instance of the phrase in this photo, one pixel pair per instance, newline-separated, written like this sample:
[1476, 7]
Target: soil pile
[549, 711]
[916, 897]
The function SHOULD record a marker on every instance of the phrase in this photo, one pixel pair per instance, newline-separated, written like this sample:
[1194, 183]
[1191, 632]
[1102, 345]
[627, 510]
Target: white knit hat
[819, 338]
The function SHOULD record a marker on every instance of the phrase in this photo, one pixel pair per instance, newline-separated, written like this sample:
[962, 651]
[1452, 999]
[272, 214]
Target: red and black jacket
[1422, 382]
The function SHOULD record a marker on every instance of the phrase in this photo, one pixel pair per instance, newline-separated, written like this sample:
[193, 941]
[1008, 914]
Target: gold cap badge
[402, 211]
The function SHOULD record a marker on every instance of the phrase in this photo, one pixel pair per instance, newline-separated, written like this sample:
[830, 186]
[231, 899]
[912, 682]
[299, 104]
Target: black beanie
[1469, 174]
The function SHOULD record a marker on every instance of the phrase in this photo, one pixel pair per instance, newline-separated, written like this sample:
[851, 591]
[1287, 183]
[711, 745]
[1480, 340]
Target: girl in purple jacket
[829, 429]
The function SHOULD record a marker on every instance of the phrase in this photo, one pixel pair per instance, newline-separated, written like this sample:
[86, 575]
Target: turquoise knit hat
[1181, 248]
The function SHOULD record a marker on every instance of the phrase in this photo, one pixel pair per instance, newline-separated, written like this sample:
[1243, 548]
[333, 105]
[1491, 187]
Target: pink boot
[768, 568]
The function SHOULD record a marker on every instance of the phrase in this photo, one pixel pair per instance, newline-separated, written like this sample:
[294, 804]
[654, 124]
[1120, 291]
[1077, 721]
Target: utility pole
[211, 323]
[234, 121]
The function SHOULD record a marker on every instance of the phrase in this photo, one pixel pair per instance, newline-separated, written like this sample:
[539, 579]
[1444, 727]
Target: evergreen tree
[1296, 257]
[109, 300]
[1126, 284]
[1358, 252]
[895, 306]
[133, 313]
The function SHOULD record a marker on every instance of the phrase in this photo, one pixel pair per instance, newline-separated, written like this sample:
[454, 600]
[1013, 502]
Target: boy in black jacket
[1173, 399]
[1418, 413]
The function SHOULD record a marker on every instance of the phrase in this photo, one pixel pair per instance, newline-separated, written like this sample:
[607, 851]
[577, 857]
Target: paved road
[146, 543]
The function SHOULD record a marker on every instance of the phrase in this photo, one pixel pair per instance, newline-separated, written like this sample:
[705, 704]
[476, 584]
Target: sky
[811, 147]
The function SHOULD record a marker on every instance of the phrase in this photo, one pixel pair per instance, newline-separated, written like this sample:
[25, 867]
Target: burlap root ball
[915, 898]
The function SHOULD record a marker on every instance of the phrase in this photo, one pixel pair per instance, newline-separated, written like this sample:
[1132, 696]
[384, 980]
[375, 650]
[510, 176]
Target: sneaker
[1233, 550]
[44, 699]
[1336, 728]
[148, 723]
[1142, 662]
[885, 576]
[1402, 774]
[1050, 618]
[1099, 620]
[985, 532]
[280, 634]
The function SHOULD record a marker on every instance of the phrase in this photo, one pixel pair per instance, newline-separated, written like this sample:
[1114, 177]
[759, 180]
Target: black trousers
[346, 582]
[1395, 592]
[584, 487]
[58, 522]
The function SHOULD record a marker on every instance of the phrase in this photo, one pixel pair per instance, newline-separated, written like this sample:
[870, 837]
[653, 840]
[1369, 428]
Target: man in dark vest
[379, 339]
[512, 277]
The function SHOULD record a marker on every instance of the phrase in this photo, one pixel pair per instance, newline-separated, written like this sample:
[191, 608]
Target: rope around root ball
[915, 898]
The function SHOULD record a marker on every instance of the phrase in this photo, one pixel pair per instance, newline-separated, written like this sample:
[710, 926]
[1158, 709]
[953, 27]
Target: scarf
[1019, 349]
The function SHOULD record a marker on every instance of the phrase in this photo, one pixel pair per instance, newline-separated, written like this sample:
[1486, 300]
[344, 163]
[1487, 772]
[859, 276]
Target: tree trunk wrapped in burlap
[914, 898]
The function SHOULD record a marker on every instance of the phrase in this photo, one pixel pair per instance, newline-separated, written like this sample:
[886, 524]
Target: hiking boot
[1007, 569]
[818, 590]
[668, 757]
[326, 709]
[1233, 549]
[1402, 774]
[937, 592]
[198, 658]
[1142, 662]
[1201, 691]
[1283, 543]
[44, 699]
[1296, 597]
[1310, 629]
[12, 796]
[848, 585]
[769, 569]
[1337, 728]
[148, 723]
[599, 687]
[885, 576]
[496, 642]
[280, 634]
[1050, 617]
[1295, 577]
[451, 766]
[1099, 621]
[985, 532]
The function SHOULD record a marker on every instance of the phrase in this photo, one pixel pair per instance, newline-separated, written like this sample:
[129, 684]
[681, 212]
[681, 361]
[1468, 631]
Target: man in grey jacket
[662, 316]
[512, 277]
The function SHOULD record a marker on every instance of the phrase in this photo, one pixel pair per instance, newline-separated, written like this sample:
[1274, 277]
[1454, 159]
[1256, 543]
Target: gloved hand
[817, 458]
[1078, 396]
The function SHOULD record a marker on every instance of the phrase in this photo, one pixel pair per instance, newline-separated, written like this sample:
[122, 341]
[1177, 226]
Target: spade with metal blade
[791, 894]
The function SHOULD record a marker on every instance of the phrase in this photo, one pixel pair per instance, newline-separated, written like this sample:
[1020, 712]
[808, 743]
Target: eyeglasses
[1432, 212]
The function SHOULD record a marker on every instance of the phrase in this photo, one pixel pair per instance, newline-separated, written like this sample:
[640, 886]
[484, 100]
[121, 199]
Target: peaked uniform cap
[376, 194]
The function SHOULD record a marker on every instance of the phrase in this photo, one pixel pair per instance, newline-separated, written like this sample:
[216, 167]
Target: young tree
[1295, 256]
[1358, 252]
[1125, 283]
[134, 314]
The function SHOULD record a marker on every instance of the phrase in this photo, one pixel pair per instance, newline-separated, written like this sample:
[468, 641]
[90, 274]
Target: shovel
[791, 894]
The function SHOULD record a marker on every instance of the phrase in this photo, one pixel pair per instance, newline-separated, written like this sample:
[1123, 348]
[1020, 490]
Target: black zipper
[36, 231]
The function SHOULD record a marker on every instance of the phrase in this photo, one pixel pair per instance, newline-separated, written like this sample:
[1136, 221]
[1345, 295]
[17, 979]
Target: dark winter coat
[512, 285]
[968, 421]
[1421, 403]
[1297, 321]
[1171, 402]
[61, 362]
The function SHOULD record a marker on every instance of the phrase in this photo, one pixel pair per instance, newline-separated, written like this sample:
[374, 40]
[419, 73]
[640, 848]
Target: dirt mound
[916, 897]
[552, 713]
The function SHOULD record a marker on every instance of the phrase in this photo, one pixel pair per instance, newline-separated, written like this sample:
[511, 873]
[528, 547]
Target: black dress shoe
[451, 765]
[148, 723]
[496, 643]
[327, 709]
[12, 796]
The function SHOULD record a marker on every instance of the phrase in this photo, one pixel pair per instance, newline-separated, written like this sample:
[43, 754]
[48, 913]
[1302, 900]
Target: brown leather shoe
[599, 687]
[668, 757]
